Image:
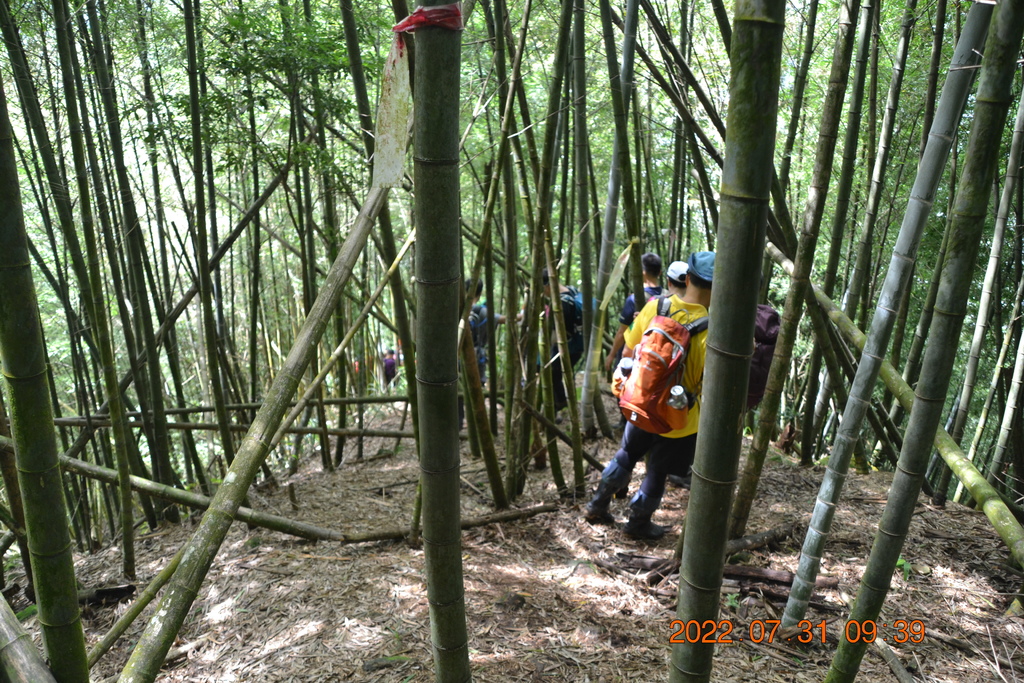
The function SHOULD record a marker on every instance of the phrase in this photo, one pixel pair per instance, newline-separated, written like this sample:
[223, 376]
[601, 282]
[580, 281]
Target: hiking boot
[598, 514]
[680, 482]
[643, 528]
[613, 479]
[641, 509]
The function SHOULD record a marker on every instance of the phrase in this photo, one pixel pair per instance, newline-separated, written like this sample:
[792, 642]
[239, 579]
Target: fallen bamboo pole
[80, 421]
[989, 500]
[494, 518]
[349, 400]
[199, 502]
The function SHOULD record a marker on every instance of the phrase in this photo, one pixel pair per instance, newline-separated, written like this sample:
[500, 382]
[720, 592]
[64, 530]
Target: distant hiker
[571, 301]
[478, 315]
[652, 289]
[669, 452]
[390, 367]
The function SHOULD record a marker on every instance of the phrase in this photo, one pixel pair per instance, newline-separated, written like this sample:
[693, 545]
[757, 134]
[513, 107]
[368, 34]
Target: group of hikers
[658, 354]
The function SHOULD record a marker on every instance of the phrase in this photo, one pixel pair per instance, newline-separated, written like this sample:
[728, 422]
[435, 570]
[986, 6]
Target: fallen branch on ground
[890, 657]
[194, 500]
[494, 518]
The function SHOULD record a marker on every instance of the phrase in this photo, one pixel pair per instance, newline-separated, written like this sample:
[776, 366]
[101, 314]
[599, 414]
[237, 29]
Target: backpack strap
[694, 326]
[697, 326]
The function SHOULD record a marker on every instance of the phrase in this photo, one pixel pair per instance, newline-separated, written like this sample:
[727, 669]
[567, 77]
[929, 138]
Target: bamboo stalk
[199, 502]
[747, 179]
[989, 501]
[19, 658]
[25, 373]
[135, 609]
[311, 389]
[954, 95]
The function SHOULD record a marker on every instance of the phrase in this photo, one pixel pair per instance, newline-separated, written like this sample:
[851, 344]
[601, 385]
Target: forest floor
[544, 601]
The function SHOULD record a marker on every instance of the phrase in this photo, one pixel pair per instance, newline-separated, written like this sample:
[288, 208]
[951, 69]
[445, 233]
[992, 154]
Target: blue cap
[702, 264]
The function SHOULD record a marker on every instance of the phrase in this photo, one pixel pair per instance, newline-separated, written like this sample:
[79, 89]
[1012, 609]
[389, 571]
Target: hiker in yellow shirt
[689, 285]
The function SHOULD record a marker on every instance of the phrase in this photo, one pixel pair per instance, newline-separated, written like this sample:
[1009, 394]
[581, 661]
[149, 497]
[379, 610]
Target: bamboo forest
[561, 340]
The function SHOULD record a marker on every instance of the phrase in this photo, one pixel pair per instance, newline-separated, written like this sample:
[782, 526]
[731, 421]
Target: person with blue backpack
[659, 383]
[478, 315]
[571, 300]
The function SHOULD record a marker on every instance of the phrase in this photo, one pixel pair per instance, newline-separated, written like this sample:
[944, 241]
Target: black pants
[664, 457]
[556, 374]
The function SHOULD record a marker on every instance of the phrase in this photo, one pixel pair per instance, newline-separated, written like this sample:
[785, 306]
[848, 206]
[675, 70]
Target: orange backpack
[646, 396]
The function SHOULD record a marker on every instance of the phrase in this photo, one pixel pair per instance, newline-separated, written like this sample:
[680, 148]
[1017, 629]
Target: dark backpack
[658, 363]
[572, 312]
[766, 333]
[478, 325]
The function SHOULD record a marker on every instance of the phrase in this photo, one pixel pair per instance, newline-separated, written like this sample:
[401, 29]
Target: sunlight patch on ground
[290, 636]
[408, 591]
[355, 633]
[966, 597]
[221, 612]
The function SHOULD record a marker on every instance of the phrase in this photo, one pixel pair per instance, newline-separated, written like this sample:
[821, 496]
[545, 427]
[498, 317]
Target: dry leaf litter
[550, 598]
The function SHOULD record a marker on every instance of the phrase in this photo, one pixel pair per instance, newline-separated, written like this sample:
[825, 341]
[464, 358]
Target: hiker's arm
[632, 335]
[617, 344]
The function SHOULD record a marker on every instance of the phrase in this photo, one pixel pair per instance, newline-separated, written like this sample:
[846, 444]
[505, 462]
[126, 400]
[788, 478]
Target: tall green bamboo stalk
[199, 217]
[95, 288]
[828, 132]
[799, 85]
[844, 188]
[969, 217]
[438, 288]
[1010, 179]
[24, 366]
[133, 237]
[387, 238]
[746, 181]
[620, 180]
[954, 95]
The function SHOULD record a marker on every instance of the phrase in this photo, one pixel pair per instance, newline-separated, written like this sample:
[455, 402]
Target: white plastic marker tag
[393, 116]
[395, 108]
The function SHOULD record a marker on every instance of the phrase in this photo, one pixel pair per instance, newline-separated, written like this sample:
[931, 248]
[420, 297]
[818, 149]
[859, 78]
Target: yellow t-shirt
[693, 374]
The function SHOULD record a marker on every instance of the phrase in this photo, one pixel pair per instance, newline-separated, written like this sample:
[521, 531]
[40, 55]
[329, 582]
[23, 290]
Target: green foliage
[297, 47]
[904, 565]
